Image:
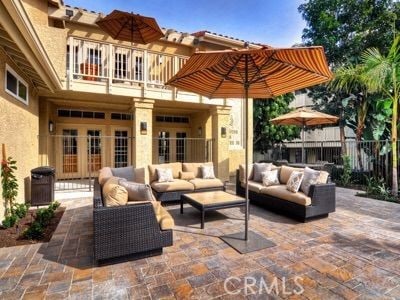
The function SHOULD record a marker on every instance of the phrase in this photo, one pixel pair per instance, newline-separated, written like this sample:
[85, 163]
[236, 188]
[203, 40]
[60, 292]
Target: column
[142, 148]
[220, 119]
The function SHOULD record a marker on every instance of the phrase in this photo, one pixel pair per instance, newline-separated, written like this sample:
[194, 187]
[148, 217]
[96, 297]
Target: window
[121, 116]
[172, 119]
[16, 86]
[67, 113]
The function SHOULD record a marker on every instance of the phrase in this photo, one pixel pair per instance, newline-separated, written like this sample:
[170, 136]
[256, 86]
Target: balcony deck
[107, 68]
[353, 253]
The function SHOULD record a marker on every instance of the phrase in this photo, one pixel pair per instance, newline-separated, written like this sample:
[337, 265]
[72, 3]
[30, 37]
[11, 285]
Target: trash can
[42, 186]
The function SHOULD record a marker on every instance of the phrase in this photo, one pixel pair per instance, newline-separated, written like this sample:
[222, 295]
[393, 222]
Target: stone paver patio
[355, 253]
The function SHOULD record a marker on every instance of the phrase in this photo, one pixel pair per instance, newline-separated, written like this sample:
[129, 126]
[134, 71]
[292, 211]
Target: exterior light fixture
[223, 132]
[200, 131]
[51, 126]
[143, 128]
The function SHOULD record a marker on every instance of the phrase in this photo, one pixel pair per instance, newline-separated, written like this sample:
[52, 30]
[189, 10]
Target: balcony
[112, 69]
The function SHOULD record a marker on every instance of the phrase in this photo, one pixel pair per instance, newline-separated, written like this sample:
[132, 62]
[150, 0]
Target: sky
[273, 22]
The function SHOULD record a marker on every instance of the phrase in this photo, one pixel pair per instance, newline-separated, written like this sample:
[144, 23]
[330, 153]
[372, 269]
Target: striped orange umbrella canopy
[130, 27]
[260, 73]
[268, 72]
[305, 117]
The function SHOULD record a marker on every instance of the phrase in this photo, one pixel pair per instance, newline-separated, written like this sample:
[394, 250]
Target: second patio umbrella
[304, 117]
[260, 73]
[130, 27]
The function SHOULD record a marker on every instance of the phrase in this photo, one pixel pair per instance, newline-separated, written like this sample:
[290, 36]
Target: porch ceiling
[13, 51]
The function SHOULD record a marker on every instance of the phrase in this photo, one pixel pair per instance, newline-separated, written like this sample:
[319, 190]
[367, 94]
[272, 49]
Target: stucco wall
[18, 130]
[53, 39]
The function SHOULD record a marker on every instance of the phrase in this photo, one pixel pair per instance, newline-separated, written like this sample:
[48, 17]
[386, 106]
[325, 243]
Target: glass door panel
[70, 151]
[94, 150]
[181, 146]
[163, 147]
[121, 148]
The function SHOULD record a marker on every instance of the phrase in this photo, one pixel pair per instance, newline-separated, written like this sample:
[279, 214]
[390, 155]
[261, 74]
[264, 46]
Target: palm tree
[352, 80]
[383, 75]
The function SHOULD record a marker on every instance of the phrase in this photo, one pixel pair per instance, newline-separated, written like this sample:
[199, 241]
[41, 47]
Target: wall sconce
[223, 132]
[200, 131]
[143, 127]
[51, 126]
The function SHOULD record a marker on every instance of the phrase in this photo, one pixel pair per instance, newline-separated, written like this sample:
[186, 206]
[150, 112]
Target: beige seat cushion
[105, 174]
[186, 175]
[253, 186]
[176, 185]
[323, 177]
[200, 183]
[164, 219]
[195, 168]
[280, 191]
[176, 167]
[113, 193]
[285, 173]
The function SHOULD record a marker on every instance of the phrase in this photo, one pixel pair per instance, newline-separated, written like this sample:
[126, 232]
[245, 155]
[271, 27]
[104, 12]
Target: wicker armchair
[126, 230]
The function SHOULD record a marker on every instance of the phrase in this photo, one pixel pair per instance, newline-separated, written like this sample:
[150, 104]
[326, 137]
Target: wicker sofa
[134, 229]
[172, 191]
[319, 202]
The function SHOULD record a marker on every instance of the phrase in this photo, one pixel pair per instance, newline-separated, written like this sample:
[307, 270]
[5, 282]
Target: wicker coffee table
[207, 201]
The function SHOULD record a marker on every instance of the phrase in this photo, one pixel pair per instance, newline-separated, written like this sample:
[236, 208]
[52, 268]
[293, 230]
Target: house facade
[76, 99]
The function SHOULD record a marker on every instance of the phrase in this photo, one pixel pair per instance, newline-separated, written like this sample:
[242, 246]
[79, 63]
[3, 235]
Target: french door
[171, 146]
[79, 152]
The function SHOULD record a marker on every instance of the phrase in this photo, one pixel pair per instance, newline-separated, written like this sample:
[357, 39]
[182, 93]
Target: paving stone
[353, 253]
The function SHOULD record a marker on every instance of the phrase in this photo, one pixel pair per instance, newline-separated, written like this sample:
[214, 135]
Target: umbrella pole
[302, 144]
[246, 229]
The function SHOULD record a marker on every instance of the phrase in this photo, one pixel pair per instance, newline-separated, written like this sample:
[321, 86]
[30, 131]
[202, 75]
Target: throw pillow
[259, 168]
[294, 181]
[105, 174]
[113, 193]
[137, 191]
[124, 172]
[310, 177]
[186, 175]
[208, 172]
[270, 178]
[164, 175]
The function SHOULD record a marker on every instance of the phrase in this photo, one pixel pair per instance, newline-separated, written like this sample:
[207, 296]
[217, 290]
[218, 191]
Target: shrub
[345, 179]
[10, 221]
[34, 232]
[9, 183]
[377, 187]
[20, 209]
[42, 219]
[44, 215]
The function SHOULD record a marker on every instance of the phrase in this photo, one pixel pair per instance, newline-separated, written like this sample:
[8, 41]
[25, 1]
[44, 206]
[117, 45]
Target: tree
[347, 27]
[383, 75]
[351, 80]
[266, 134]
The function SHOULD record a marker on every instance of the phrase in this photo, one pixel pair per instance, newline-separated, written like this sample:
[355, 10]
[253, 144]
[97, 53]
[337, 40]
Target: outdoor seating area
[353, 253]
[147, 162]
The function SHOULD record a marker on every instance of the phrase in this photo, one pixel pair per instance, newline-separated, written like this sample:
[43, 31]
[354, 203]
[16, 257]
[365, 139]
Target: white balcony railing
[105, 62]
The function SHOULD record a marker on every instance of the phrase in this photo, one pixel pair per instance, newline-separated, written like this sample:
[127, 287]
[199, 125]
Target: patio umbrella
[259, 73]
[130, 27]
[304, 117]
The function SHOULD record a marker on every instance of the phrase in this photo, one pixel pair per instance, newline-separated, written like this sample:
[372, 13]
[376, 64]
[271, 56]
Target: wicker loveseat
[319, 202]
[132, 229]
[172, 191]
